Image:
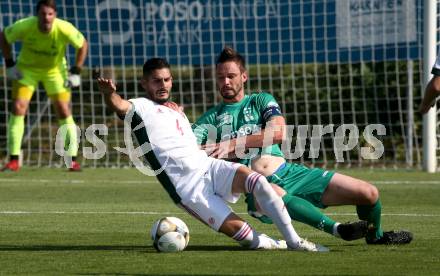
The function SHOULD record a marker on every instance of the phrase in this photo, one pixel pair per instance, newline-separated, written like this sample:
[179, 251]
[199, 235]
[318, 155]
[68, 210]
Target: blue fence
[123, 32]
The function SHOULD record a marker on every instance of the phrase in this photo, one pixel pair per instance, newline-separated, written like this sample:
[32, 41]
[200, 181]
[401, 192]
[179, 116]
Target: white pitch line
[166, 213]
[75, 181]
[397, 182]
[85, 213]
[395, 215]
[380, 182]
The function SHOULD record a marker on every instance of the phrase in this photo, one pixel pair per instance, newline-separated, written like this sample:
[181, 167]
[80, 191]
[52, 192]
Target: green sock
[15, 133]
[71, 140]
[372, 214]
[303, 211]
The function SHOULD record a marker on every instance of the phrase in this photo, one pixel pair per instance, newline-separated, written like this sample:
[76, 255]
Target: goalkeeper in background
[44, 40]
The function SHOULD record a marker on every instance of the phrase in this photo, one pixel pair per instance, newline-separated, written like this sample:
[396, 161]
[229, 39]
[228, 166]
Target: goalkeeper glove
[74, 79]
[11, 70]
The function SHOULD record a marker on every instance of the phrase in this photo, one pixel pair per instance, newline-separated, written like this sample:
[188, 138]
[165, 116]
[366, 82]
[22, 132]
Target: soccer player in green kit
[42, 59]
[258, 117]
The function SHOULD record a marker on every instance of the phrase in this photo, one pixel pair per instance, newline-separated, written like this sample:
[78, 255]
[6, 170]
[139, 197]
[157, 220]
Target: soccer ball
[169, 234]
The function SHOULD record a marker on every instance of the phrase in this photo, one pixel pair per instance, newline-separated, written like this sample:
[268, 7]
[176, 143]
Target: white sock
[273, 206]
[246, 236]
[335, 230]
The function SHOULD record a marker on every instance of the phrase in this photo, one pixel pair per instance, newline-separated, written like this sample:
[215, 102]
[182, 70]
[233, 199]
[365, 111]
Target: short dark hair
[154, 64]
[49, 3]
[229, 54]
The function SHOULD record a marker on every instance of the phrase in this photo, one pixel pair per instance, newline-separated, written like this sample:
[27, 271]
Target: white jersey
[174, 149]
[436, 68]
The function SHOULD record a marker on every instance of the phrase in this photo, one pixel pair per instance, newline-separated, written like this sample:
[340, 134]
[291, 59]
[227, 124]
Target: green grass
[97, 222]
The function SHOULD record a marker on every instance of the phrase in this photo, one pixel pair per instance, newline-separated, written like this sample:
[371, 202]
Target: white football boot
[305, 245]
[267, 243]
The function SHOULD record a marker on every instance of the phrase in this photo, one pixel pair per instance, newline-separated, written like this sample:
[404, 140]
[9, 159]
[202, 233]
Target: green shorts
[298, 180]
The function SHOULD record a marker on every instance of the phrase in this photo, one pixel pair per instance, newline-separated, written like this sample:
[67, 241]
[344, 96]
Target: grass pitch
[98, 221]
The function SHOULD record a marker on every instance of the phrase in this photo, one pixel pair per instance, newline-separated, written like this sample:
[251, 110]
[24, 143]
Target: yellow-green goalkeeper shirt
[43, 50]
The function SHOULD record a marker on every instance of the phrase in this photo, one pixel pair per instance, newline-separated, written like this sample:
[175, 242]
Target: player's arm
[81, 55]
[111, 98]
[74, 78]
[273, 133]
[5, 47]
[432, 91]
[11, 69]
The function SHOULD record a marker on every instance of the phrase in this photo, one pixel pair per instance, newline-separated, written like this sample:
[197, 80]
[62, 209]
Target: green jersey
[43, 50]
[231, 120]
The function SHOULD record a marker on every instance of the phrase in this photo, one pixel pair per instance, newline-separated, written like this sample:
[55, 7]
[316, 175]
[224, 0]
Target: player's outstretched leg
[268, 243]
[375, 234]
[346, 190]
[303, 211]
[249, 238]
[392, 238]
[238, 229]
[305, 245]
[272, 205]
[351, 230]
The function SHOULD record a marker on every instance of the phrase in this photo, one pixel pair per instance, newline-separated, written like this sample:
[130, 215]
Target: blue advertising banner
[124, 32]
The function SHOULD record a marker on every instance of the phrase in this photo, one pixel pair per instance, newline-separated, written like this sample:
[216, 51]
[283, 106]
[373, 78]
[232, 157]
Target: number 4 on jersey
[179, 128]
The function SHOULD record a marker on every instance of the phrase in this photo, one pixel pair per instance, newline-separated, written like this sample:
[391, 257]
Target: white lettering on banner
[195, 11]
[121, 36]
[180, 35]
[372, 22]
[179, 22]
[179, 11]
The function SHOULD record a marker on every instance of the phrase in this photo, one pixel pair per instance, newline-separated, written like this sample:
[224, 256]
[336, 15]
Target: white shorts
[209, 205]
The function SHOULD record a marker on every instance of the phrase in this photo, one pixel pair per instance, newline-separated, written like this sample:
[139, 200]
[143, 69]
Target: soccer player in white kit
[199, 184]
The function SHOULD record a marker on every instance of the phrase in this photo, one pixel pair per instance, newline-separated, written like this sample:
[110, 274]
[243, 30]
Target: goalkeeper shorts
[53, 82]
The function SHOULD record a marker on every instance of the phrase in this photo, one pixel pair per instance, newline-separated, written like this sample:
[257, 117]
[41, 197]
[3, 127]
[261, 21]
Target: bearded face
[46, 15]
[230, 81]
[158, 85]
